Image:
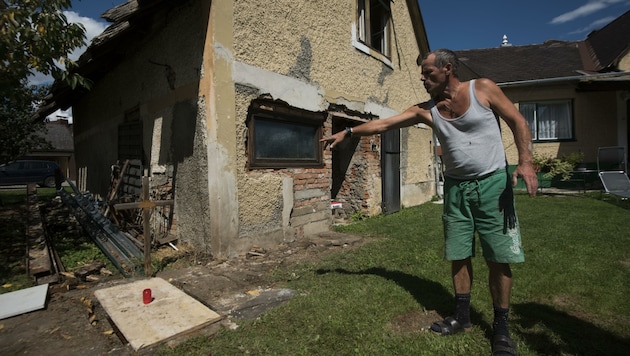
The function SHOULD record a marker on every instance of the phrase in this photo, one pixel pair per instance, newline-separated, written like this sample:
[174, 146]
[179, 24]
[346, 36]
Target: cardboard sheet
[23, 301]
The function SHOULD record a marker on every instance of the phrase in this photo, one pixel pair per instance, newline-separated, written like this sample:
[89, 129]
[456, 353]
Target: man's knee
[500, 268]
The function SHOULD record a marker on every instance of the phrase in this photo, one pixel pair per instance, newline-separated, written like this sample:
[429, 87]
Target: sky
[454, 24]
[466, 24]
[477, 24]
[460, 24]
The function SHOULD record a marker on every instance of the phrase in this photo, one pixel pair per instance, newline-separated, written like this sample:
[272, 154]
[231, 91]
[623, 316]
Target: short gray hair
[443, 56]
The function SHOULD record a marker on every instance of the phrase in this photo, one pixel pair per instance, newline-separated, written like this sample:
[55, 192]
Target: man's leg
[462, 273]
[459, 231]
[500, 283]
[462, 279]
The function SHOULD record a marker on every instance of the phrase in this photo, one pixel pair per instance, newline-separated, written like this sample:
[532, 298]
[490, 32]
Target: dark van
[29, 171]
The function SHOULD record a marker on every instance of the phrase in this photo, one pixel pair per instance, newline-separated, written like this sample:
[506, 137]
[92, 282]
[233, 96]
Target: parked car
[30, 171]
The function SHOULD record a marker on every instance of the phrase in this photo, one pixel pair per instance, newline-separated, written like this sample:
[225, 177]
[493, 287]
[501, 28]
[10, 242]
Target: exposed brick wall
[308, 179]
[360, 190]
[311, 208]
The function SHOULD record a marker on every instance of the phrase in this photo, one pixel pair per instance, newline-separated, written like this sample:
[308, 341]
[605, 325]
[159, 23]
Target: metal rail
[126, 256]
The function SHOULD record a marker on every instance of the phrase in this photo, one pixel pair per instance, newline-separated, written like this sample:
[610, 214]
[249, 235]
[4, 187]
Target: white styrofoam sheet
[171, 313]
[23, 301]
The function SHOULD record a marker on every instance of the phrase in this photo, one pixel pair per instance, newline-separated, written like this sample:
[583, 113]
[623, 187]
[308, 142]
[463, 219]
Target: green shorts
[473, 206]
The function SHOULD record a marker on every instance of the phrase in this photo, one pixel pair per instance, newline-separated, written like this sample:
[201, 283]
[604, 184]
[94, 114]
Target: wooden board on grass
[170, 314]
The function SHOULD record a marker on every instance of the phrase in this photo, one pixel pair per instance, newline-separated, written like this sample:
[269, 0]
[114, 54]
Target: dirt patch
[414, 322]
[73, 322]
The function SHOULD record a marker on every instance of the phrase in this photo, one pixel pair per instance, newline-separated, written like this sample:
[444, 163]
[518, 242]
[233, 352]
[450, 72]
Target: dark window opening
[374, 22]
[130, 137]
[281, 137]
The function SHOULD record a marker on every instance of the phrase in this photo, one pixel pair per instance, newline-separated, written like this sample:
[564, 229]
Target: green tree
[35, 36]
[19, 133]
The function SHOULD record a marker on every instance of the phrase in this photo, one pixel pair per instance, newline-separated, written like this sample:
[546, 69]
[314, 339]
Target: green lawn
[570, 297]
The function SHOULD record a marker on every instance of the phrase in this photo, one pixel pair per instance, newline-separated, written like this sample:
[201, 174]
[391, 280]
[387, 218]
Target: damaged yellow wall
[302, 52]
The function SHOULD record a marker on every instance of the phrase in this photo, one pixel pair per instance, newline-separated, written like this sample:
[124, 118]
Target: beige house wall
[591, 112]
[303, 53]
[163, 85]
[193, 82]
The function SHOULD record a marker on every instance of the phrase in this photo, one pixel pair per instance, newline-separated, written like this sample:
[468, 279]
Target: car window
[15, 166]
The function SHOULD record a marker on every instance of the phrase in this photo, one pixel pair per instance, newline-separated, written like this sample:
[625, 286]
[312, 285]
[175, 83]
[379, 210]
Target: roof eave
[418, 26]
[552, 81]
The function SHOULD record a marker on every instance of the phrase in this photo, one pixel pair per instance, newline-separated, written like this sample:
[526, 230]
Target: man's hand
[334, 139]
[528, 174]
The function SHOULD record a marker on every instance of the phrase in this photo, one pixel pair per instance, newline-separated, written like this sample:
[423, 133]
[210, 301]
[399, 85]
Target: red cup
[146, 296]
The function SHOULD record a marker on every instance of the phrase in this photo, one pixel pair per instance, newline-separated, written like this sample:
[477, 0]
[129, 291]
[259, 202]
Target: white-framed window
[373, 25]
[549, 120]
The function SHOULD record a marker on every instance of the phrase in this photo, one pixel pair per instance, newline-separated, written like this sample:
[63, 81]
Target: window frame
[536, 130]
[363, 36]
[282, 113]
[130, 136]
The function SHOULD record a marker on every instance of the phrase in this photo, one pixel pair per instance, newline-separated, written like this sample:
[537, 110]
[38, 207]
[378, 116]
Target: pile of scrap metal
[126, 255]
[126, 187]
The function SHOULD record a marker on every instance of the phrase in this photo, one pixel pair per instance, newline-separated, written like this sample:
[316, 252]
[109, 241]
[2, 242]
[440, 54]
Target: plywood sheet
[171, 313]
[23, 301]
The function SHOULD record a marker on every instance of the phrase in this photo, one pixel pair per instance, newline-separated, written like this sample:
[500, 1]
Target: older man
[476, 196]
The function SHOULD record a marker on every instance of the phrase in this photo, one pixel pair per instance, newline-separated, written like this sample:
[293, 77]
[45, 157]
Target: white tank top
[471, 144]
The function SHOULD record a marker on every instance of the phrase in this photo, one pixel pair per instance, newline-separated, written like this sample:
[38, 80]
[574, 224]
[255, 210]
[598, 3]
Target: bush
[562, 166]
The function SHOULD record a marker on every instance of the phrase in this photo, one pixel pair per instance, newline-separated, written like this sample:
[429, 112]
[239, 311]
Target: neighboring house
[228, 100]
[59, 134]
[575, 95]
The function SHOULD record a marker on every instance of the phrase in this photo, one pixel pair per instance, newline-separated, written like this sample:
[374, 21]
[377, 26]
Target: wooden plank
[172, 312]
[146, 227]
[116, 187]
[145, 204]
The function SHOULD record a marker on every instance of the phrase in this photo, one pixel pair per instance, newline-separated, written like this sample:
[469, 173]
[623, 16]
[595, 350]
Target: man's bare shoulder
[487, 91]
[422, 112]
[485, 84]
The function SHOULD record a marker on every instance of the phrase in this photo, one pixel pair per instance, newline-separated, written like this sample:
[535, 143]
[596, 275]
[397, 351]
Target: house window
[130, 136]
[281, 137]
[549, 120]
[373, 24]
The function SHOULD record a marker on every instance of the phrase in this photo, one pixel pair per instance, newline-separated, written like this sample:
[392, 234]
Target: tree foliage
[19, 134]
[35, 36]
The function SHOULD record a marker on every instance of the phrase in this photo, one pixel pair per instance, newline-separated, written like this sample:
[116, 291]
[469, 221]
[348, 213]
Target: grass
[569, 297]
[75, 249]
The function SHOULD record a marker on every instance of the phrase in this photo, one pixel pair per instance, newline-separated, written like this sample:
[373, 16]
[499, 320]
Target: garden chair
[612, 171]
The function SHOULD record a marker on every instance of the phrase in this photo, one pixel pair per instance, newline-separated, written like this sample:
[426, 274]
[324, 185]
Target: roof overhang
[591, 82]
[131, 23]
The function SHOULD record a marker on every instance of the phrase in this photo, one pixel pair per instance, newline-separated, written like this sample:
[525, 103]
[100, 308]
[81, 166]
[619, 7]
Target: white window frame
[361, 37]
[550, 120]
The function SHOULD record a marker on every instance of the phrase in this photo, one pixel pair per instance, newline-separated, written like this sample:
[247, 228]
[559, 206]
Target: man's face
[432, 77]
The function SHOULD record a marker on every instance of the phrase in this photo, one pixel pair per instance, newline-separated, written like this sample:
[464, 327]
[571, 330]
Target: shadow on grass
[577, 336]
[431, 295]
[623, 203]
